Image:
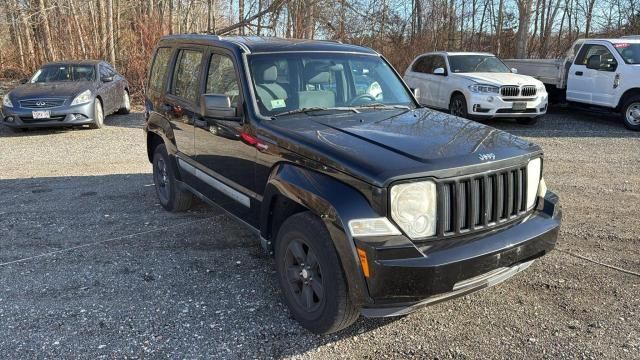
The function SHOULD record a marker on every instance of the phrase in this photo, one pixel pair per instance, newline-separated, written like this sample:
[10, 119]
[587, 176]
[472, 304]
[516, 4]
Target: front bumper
[494, 106]
[406, 276]
[61, 116]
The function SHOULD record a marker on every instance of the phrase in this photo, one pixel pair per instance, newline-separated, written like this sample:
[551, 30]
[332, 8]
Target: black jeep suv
[370, 204]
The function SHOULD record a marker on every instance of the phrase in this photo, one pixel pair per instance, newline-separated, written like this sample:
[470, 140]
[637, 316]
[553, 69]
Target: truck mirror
[216, 106]
[594, 62]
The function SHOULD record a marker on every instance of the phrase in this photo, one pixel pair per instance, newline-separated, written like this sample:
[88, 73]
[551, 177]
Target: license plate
[41, 114]
[519, 105]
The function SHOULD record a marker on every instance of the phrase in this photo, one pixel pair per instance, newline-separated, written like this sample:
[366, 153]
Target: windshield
[51, 73]
[629, 52]
[476, 63]
[291, 82]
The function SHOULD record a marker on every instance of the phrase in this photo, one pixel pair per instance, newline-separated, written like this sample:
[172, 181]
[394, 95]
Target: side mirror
[216, 106]
[594, 62]
[106, 78]
[416, 92]
[514, 70]
[438, 71]
[24, 81]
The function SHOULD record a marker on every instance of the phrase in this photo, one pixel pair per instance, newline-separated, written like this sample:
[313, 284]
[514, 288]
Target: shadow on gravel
[129, 121]
[562, 121]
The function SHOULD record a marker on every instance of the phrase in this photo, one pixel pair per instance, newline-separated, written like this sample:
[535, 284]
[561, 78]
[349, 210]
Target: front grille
[516, 91]
[479, 202]
[528, 91]
[510, 91]
[41, 103]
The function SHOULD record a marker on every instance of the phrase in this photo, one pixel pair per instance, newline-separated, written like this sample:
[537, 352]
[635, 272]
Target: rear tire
[98, 115]
[311, 276]
[631, 113]
[170, 195]
[527, 121]
[126, 104]
[458, 106]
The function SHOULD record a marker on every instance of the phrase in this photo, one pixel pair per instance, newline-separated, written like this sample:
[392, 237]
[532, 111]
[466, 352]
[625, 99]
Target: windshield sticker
[621, 45]
[278, 103]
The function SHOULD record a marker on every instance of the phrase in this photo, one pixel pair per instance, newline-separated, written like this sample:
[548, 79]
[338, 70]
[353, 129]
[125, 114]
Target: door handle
[579, 73]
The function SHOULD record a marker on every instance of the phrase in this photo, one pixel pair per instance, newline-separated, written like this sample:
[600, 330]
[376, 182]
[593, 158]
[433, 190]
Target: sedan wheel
[98, 115]
[126, 103]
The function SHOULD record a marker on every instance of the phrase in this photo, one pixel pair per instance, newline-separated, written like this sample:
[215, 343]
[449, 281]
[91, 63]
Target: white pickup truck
[602, 73]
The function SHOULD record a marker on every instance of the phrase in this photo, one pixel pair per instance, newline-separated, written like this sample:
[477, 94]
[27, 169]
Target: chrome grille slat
[512, 91]
[528, 91]
[41, 103]
[474, 203]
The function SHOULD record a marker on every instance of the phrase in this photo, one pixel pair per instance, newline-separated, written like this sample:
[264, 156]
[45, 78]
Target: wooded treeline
[124, 31]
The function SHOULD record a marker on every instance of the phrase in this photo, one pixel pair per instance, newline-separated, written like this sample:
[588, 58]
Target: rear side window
[159, 68]
[424, 65]
[221, 78]
[187, 75]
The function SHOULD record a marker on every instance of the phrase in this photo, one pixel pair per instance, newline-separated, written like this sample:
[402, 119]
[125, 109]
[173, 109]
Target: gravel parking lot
[91, 265]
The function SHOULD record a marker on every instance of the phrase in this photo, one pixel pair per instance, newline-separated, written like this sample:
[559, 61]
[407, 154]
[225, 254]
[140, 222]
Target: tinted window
[221, 78]
[159, 69]
[424, 65]
[52, 73]
[477, 63]
[187, 75]
[608, 62]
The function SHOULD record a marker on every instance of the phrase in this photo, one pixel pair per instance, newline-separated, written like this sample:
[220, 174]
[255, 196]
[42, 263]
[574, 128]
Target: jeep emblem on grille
[487, 157]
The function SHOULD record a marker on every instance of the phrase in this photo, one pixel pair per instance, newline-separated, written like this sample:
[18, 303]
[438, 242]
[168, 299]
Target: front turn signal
[363, 262]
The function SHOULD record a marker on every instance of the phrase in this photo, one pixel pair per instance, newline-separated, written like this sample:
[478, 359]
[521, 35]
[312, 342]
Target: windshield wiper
[384, 106]
[312, 109]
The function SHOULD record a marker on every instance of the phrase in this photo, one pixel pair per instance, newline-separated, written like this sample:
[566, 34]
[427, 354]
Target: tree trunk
[112, 46]
[45, 32]
[522, 36]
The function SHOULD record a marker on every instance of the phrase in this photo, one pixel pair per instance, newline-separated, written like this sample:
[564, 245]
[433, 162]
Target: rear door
[417, 78]
[439, 83]
[180, 105]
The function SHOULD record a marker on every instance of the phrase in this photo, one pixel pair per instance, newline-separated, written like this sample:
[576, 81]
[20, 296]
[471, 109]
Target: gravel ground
[92, 267]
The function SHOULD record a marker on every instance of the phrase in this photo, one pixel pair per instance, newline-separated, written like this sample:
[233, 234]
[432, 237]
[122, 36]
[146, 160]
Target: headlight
[541, 89]
[6, 102]
[83, 98]
[484, 89]
[413, 208]
[534, 172]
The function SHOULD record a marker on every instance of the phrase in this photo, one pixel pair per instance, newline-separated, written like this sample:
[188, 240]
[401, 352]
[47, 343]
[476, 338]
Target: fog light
[9, 119]
[490, 99]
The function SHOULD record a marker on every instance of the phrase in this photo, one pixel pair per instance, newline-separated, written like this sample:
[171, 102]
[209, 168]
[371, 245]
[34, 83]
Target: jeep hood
[499, 79]
[382, 146]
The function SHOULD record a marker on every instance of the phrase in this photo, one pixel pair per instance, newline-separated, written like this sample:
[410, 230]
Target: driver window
[608, 61]
[438, 62]
[221, 78]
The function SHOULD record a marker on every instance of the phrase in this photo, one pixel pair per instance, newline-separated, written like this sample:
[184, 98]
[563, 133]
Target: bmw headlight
[83, 98]
[484, 89]
[413, 208]
[534, 174]
[6, 102]
[540, 88]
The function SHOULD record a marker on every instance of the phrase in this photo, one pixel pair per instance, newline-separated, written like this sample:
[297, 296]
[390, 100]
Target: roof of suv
[260, 44]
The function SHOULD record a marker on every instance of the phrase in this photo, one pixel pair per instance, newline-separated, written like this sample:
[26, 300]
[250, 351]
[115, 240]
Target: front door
[224, 146]
[106, 89]
[583, 84]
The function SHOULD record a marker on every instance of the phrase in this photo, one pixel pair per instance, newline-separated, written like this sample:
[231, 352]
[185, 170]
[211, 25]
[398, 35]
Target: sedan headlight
[6, 102]
[484, 89]
[534, 172]
[83, 98]
[413, 208]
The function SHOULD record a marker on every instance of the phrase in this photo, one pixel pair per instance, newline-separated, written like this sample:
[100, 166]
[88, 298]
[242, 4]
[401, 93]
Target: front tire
[631, 113]
[311, 277]
[126, 104]
[458, 106]
[98, 115]
[171, 197]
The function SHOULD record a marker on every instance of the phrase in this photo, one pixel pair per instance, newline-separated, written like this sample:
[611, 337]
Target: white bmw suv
[476, 86]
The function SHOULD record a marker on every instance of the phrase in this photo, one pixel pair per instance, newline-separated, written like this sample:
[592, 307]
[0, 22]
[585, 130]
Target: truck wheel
[527, 121]
[311, 277]
[631, 113]
[169, 193]
[458, 106]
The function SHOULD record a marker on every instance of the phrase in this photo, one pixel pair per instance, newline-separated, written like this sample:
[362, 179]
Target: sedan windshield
[476, 63]
[292, 83]
[629, 52]
[52, 73]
